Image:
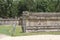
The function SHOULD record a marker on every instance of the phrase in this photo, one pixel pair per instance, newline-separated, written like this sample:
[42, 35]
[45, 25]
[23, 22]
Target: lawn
[18, 32]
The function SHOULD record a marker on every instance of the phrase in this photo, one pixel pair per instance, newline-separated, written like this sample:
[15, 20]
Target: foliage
[14, 8]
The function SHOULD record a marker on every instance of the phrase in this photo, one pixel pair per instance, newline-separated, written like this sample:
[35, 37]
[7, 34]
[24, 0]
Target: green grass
[18, 32]
[8, 30]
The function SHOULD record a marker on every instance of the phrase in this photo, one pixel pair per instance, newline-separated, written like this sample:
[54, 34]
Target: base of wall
[27, 31]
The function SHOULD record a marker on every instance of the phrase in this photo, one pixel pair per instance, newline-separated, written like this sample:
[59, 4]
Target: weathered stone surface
[36, 22]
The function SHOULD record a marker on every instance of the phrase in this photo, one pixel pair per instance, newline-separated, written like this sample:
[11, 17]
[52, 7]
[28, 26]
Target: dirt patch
[3, 36]
[34, 37]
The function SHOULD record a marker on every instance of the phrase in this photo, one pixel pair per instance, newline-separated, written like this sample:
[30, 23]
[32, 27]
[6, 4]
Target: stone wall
[10, 21]
[42, 26]
[36, 22]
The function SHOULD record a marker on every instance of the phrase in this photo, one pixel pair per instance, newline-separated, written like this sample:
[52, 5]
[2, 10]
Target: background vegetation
[14, 8]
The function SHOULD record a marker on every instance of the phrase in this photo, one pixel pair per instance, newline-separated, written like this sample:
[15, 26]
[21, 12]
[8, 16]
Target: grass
[18, 32]
[8, 30]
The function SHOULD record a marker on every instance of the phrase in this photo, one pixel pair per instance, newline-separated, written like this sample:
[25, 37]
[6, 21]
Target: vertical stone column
[23, 23]
[24, 18]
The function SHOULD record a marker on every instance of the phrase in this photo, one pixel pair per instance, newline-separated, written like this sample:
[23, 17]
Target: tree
[53, 6]
[14, 8]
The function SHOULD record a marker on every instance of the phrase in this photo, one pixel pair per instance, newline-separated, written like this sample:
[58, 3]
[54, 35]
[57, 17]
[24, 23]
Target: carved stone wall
[36, 22]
